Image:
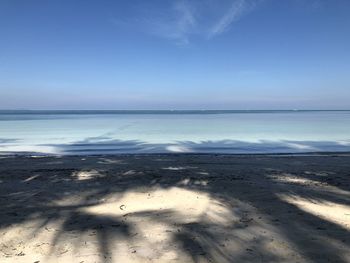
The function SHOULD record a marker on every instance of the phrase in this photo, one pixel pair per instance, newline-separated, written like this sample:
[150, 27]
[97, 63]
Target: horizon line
[171, 110]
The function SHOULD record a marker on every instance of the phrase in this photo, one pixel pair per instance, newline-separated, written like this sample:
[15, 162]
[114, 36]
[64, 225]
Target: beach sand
[175, 208]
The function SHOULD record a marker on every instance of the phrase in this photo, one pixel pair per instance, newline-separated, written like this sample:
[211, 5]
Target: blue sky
[175, 54]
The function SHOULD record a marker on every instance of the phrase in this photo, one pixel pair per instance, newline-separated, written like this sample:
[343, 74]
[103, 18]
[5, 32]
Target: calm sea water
[110, 132]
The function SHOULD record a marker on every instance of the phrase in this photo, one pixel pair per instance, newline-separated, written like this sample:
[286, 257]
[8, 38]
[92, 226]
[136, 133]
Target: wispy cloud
[179, 24]
[181, 20]
[236, 10]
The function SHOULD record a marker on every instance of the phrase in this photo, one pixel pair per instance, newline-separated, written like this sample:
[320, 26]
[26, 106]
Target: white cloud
[234, 13]
[180, 25]
[184, 19]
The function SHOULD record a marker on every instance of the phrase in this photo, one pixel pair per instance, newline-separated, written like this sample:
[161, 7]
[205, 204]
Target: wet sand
[175, 208]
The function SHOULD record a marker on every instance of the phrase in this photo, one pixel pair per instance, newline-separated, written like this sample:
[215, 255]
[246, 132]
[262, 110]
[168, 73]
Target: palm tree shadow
[257, 181]
[107, 229]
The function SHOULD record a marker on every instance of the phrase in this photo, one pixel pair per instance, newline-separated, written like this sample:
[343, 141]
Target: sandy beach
[175, 208]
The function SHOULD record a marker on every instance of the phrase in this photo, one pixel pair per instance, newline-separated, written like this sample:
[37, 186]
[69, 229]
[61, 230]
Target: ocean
[116, 132]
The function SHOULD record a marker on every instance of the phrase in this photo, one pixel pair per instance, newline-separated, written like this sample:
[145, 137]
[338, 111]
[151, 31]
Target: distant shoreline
[291, 154]
[49, 112]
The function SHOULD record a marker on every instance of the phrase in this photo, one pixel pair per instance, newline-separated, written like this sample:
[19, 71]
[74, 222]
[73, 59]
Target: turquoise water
[110, 132]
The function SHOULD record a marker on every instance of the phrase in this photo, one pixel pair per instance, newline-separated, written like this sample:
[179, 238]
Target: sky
[175, 54]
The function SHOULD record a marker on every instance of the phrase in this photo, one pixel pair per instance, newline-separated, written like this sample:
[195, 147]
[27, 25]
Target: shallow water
[96, 132]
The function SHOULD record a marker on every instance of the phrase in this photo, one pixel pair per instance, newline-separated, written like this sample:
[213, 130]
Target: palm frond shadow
[242, 183]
